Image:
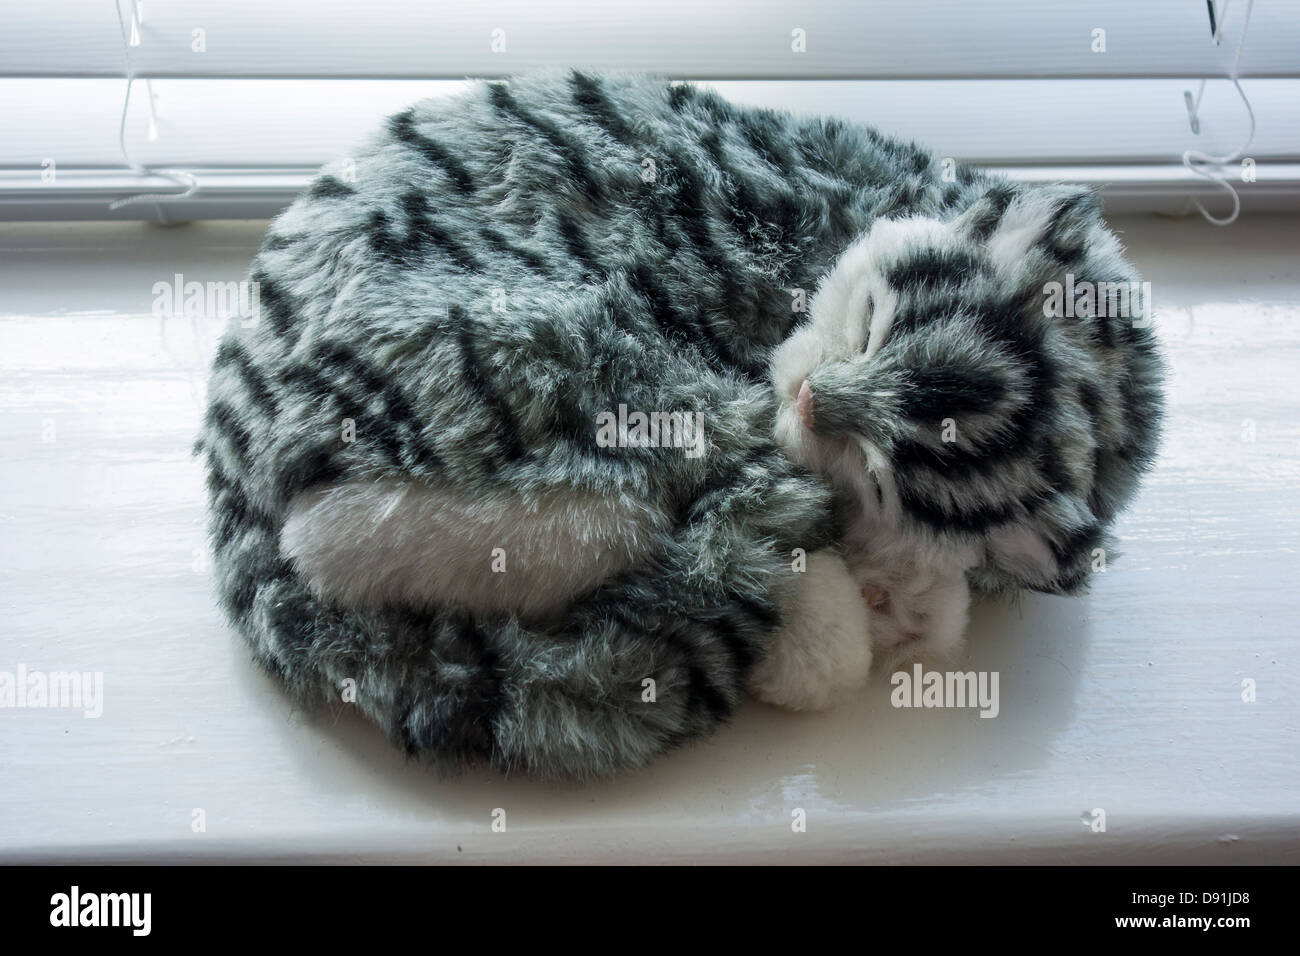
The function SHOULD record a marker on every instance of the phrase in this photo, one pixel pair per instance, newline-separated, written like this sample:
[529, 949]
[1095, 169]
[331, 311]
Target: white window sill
[1129, 700]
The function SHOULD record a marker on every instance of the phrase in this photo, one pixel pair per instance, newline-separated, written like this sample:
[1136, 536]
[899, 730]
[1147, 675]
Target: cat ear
[1009, 221]
[982, 217]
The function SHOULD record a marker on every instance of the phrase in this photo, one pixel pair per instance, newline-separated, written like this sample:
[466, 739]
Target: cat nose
[804, 404]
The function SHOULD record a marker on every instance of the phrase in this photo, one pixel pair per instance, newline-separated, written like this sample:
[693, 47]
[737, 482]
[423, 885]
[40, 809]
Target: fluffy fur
[441, 332]
[976, 436]
[824, 652]
[367, 544]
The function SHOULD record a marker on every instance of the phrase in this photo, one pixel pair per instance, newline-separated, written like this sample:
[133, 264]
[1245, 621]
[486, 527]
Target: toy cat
[534, 444]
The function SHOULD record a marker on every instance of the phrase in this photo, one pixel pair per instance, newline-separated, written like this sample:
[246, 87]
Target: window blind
[250, 98]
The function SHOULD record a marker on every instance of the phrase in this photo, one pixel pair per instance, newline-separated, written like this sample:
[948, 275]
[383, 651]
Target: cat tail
[656, 655]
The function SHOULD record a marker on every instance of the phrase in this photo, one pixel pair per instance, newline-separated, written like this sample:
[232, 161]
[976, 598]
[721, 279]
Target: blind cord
[1195, 161]
[1203, 164]
[180, 177]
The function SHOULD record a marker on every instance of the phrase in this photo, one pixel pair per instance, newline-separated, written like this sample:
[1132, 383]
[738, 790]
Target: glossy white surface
[1129, 700]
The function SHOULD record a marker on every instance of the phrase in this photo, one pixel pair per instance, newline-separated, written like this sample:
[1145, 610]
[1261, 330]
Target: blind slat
[682, 38]
[254, 194]
[258, 123]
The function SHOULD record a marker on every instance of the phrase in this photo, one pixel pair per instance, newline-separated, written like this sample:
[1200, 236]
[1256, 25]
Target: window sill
[1129, 700]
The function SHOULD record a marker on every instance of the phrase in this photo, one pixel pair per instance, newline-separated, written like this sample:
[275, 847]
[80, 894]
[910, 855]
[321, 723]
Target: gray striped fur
[377, 292]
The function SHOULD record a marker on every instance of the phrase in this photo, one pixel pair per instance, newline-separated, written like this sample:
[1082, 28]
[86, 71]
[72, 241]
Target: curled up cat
[425, 478]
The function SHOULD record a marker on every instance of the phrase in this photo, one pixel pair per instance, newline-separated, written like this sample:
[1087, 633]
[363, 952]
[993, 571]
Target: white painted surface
[1128, 700]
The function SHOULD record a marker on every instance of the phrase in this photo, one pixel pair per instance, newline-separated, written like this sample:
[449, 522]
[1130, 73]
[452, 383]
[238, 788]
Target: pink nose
[804, 405]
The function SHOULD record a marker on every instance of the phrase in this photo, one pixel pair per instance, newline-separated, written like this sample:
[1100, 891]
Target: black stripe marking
[990, 208]
[679, 95]
[688, 328]
[590, 97]
[701, 692]
[667, 319]
[1019, 437]
[1023, 428]
[275, 241]
[330, 187]
[1090, 399]
[421, 232]
[219, 483]
[307, 465]
[499, 242]
[225, 421]
[487, 393]
[699, 505]
[1077, 543]
[743, 654]
[745, 213]
[933, 269]
[379, 228]
[394, 399]
[573, 425]
[784, 210]
[937, 392]
[504, 102]
[232, 353]
[576, 242]
[470, 729]
[232, 511]
[403, 129]
[313, 381]
[763, 134]
[967, 521]
[686, 199]
[240, 595]
[417, 209]
[273, 304]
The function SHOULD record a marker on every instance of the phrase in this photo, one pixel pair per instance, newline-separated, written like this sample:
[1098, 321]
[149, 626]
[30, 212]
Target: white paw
[921, 615]
[824, 651]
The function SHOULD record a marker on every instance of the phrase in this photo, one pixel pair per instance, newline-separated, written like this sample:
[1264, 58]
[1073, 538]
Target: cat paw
[921, 617]
[823, 653]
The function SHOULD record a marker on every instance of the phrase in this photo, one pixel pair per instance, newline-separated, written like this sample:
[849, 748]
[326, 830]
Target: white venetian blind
[244, 100]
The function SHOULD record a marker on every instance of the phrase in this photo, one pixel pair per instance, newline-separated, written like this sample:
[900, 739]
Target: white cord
[180, 177]
[1211, 167]
[1194, 106]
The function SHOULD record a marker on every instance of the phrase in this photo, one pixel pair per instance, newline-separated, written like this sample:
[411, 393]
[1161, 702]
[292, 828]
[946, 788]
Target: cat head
[920, 339]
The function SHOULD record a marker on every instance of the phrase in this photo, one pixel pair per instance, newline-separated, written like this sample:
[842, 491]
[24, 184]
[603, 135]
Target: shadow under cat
[863, 756]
